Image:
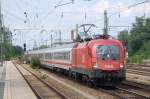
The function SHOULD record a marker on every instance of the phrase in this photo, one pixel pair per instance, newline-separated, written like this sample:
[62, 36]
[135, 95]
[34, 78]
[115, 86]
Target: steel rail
[129, 89]
[34, 90]
[123, 93]
[138, 72]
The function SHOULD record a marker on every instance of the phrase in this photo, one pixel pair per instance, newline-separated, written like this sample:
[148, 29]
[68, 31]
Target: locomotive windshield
[107, 52]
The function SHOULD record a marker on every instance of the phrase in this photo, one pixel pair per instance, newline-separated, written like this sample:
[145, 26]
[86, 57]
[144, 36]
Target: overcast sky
[43, 14]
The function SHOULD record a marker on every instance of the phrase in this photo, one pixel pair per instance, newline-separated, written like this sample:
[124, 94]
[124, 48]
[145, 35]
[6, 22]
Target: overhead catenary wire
[59, 2]
[19, 7]
[11, 14]
[113, 14]
[139, 3]
[53, 10]
[120, 11]
[14, 15]
[129, 7]
[45, 17]
[29, 4]
[50, 12]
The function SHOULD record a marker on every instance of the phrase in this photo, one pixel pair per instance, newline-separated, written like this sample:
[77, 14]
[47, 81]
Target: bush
[141, 54]
[20, 58]
[26, 59]
[136, 59]
[35, 62]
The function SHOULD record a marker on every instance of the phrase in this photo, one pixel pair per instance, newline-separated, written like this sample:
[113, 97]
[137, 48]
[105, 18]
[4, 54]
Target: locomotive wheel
[72, 75]
[76, 76]
[92, 83]
[85, 78]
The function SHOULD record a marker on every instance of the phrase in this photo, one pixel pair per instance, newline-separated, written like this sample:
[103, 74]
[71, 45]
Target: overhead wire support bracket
[146, 1]
[72, 1]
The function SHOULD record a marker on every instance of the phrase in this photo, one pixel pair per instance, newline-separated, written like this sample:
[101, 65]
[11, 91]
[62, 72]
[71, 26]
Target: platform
[12, 84]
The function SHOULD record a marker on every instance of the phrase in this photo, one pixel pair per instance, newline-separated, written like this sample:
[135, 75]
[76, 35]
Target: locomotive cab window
[107, 52]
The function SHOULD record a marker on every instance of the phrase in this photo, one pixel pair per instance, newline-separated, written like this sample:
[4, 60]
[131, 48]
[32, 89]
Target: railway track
[139, 85]
[136, 91]
[130, 90]
[41, 89]
[69, 91]
[140, 69]
[138, 72]
[139, 65]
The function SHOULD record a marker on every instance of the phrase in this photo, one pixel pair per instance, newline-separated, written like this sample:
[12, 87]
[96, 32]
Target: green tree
[43, 46]
[140, 34]
[12, 51]
[124, 37]
[139, 40]
[8, 51]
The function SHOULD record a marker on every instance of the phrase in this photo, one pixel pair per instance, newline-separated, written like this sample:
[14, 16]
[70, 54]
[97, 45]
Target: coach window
[43, 55]
[49, 56]
[63, 55]
[52, 55]
[68, 55]
[39, 55]
[46, 55]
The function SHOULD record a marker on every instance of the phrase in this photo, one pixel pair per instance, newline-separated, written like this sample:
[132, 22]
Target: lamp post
[1, 39]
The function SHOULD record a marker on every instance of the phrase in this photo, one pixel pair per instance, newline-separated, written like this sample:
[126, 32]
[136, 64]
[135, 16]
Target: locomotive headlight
[95, 65]
[121, 66]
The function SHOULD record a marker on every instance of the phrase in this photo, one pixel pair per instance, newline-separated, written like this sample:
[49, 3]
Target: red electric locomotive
[99, 61]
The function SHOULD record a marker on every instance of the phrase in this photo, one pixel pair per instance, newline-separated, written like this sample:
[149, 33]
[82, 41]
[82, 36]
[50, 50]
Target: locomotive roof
[107, 40]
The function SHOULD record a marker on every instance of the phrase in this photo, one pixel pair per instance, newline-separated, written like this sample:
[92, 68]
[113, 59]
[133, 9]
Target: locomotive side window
[107, 52]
